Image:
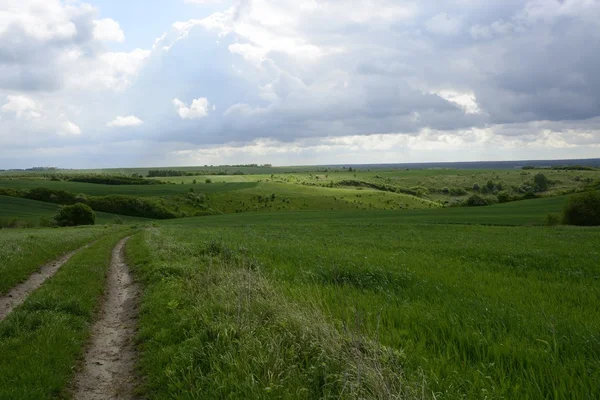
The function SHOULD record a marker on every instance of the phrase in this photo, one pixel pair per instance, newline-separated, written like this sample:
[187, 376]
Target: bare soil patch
[108, 370]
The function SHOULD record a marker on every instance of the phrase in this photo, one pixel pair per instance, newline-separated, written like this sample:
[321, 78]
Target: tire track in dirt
[17, 295]
[108, 370]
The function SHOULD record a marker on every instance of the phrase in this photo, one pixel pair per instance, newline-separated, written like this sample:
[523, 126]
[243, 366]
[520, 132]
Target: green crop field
[471, 311]
[309, 283]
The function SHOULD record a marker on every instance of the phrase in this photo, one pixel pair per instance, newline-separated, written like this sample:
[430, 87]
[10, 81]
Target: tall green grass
[23, 251]
[212, 326]
[42, 339]
[477, 312]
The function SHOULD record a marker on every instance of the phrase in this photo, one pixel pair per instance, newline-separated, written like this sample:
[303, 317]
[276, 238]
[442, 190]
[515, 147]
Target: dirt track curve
[108, 371]
[19, 293]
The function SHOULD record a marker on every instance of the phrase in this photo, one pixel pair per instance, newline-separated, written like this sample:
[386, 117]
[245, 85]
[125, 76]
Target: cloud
[22, 106]
[443, 24]
[125, 122]
[68, 128]
[310, 77]
[49, 45]
[199, 108]
[108, 30]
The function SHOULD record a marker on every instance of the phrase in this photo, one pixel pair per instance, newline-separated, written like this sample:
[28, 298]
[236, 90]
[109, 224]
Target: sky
[113, 83]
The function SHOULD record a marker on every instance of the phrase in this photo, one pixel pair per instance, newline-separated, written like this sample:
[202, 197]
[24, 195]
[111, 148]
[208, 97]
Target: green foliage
[42, 214]
[552, 219]
[208, 180]
[167, 172]
[132, 206]
[476, 201]
[42, 340]
[23, 251]
[476, 187]
[14, 223]
[244, 338]
[113, 180]
[55, 196]
[504, 197]
[75, 215]
[455, 301]
[583, 209]
[541, 182]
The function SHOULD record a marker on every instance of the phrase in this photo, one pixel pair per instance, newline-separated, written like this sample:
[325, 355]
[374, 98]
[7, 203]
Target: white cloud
[467, 101]
[108, 71]
[68, 128]
[199, 108]
[443, 24]
[108, 30]
[131, 120]
[22, 106]
[39, 19]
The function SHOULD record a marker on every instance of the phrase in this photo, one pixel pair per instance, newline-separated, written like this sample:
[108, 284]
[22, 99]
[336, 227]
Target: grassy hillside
[131, 190]
[526, 212]
[32, 211]
[433, 180]
[458, 311]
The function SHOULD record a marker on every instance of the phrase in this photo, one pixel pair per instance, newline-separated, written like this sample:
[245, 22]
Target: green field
[32, 211]
[302, 284]
[503, 312]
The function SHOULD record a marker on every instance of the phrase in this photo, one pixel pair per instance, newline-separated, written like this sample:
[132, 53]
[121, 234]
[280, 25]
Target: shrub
[504, 197]
[458, 192]
[552, 219]
[583, 210]
[476, 187]
[445, 190]
[113, 180]
[541, 182]
[476, 201]
[132, 206]
[15, 223]
[208, 180]
[47, 223]
[75, 215]
[51, 196]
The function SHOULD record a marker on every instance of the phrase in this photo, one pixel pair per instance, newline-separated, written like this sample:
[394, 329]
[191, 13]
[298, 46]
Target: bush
[583, 210]
[131, 206]
[476, 201]
[504, 197]
[476, 187]
[113, 180]
[208, 180]
[458, 192]
[47, 223]
[75, 215]
[541, 182]
[552, 219]
[51, 196]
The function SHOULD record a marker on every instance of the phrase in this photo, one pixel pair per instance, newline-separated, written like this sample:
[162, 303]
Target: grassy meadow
[467, 311]
[316, 283]
[33, 212]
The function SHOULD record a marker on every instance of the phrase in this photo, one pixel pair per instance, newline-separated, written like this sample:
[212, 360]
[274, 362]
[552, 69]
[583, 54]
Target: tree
[75, 215]
[583, 210]
[476, 201]
[541, 182]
